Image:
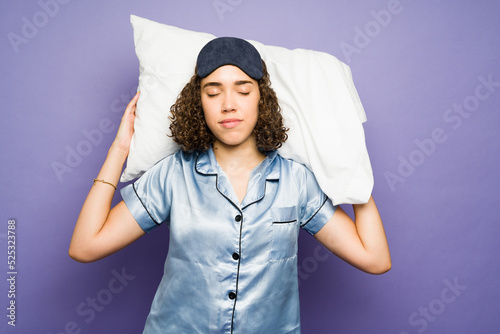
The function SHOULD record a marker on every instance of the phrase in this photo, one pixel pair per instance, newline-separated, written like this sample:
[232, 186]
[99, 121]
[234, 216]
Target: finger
[131, 105]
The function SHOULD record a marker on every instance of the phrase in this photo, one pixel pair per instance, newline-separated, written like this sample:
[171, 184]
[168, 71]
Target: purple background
[79, 67]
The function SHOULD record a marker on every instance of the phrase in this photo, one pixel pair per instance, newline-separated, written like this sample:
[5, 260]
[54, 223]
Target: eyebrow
[243, 82]
[217, 84]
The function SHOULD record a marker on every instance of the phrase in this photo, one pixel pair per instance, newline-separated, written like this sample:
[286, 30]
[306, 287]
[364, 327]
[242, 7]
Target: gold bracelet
[111, 184]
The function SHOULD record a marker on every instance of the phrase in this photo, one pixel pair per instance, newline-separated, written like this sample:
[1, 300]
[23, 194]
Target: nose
[229, 104]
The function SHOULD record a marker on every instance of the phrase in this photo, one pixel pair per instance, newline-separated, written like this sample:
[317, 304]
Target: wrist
[118, 151]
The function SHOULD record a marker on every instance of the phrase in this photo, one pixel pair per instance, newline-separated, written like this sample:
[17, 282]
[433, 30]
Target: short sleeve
[316, 208]
[149, 198]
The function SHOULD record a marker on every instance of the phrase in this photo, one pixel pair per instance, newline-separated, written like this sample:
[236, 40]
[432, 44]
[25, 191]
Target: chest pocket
[284, 233]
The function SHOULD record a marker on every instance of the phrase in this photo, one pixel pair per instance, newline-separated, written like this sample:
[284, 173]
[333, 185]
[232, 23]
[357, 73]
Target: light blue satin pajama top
[231, 267]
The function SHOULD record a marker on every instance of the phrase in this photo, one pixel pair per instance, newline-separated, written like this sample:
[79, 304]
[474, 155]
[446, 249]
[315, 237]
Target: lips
[230, 123]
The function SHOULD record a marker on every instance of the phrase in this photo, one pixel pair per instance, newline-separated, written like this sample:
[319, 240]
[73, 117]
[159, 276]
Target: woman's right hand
[126, 128]
[100, 230]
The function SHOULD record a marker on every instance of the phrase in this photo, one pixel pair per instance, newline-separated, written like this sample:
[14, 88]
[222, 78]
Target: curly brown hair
[189, 129]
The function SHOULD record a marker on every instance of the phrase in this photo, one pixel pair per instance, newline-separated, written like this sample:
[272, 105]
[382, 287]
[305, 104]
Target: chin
[234, 142]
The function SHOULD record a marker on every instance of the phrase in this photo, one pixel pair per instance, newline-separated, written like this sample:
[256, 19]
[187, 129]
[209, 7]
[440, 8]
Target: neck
[237, 157]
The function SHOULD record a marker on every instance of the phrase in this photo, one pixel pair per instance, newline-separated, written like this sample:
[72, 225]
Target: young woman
[233, 206]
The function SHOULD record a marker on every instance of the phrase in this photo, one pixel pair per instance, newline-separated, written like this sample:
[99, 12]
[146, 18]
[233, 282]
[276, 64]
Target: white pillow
[315, 90]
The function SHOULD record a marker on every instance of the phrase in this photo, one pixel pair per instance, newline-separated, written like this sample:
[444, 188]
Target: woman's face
[230, 102]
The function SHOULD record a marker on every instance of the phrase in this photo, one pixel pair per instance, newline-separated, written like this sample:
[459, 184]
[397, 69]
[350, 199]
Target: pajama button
[238, 218]
[236, 256]
[232, 295]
